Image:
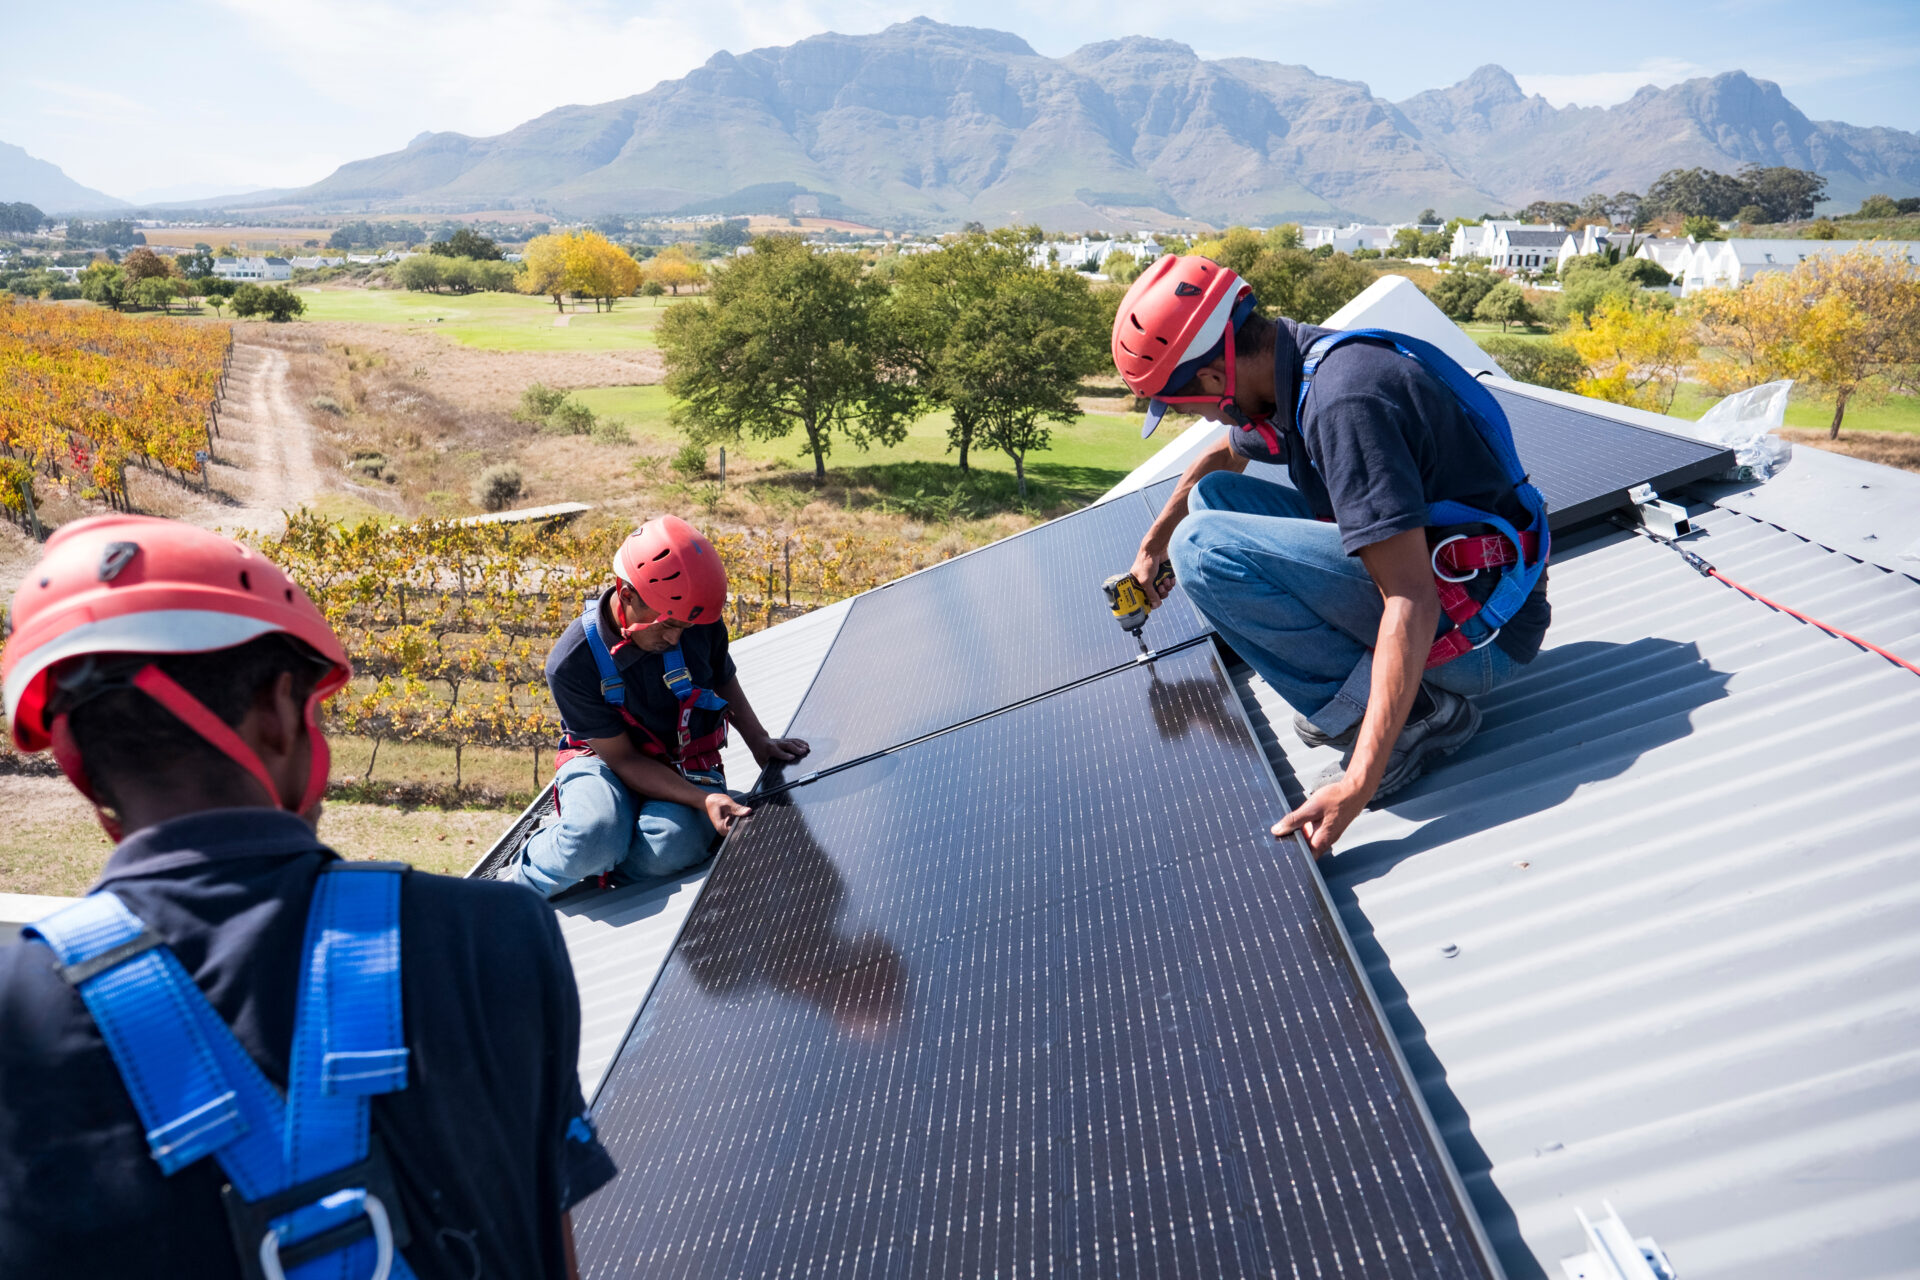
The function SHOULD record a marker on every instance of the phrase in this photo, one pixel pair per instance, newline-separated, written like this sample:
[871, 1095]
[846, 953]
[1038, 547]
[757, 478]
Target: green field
[1895, 413]
[493, 321]
[1088, 456]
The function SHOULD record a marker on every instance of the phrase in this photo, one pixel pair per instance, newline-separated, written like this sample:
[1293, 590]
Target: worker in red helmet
[1393, 575]
[240, 1055]
[646, 690]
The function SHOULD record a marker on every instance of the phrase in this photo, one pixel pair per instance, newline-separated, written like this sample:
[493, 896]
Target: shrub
[691, 460]
[1461, 290]
[1544, 364]
[609, 431]
[327, 404]
[537, 402]
[498, 487]
[570, 418]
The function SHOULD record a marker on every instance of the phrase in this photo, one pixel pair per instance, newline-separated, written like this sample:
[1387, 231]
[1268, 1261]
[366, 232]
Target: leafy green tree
[1406, 242]
[932, 291]
[1560, 211]
[21, 218]
[422, 273]
[1017, 358]
[1697, 193]
[1428, 217]
[1644, 272]
[786, 337]
[1461, 289]
[1878, 206]
[1702, 227]
[198, 264]
[275, 302]
[1506, 303]
[156, 293]
[1544, 364]
[246, 301]
[1787, 194]
[466, 243]
[1751, 214]
[107, 285]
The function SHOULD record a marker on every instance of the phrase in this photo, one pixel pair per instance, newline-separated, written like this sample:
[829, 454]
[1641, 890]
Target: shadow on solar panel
[1039, 995]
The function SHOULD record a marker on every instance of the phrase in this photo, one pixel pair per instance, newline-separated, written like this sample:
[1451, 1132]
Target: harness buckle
[1492, 635]
[257, 1243]
[1442, 574]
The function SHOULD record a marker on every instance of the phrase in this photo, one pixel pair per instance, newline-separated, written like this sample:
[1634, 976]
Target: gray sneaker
[1311, 735]
[1450, 726]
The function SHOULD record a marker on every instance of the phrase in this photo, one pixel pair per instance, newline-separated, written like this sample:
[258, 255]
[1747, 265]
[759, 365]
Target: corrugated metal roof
[1681, 868]
[618, 940]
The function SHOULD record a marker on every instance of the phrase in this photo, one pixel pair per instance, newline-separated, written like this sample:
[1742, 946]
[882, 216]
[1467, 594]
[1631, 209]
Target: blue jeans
[604, 827]
[1304, 614]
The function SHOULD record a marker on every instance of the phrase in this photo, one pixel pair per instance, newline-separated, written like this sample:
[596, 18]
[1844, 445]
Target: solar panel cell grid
[1037, 996]
[1009, 622]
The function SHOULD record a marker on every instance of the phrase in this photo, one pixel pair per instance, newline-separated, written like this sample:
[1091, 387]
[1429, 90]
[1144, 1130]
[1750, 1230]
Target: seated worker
[240, 1055]
[645, 690]
[1400, 575]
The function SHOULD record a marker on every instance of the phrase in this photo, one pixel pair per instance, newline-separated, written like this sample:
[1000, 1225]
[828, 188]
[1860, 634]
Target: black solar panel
[1036, 996]
[1584, 463]
[1011, 621]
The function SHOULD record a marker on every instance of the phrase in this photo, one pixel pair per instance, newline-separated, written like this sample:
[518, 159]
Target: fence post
[33, 515]
[787, 552]
[723, 464]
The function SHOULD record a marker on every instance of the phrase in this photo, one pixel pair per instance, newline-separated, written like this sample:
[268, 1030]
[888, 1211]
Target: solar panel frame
[1328, 921]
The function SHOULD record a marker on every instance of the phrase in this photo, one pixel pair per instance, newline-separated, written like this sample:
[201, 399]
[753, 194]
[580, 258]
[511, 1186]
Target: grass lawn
[1088, 456]
[493, 321]
[1895, 413]
[1480, 331]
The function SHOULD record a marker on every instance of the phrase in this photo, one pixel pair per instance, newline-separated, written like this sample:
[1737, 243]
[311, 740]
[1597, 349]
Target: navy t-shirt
[1383, 440]
[574, 680]
[489, 1141]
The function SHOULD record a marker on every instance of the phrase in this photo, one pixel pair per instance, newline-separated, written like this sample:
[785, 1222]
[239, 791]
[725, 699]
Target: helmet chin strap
[193, 713]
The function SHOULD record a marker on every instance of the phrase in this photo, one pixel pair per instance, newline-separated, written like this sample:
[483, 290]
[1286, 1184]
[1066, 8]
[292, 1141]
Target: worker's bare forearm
[1220, 457]
[644, 776]
[740, 712]
[1399, 659]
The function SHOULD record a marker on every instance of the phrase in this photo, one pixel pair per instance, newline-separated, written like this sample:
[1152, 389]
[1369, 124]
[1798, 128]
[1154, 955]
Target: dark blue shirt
[1384, 439]
[574, 680]
[478, 1139]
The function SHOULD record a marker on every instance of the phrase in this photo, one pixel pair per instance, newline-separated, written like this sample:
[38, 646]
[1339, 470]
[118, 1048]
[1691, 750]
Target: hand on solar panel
[1326, 815]
[722, 809]
[768, 751]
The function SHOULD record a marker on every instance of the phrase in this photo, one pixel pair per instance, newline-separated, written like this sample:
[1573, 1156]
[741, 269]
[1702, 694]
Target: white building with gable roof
[1728, 264]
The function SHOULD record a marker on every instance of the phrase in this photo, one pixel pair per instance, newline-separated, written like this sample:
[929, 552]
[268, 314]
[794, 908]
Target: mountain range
[929, 125]
[42, 184]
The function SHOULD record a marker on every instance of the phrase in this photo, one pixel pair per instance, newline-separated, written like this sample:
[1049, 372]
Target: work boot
[1311, 734]
[1449, 726]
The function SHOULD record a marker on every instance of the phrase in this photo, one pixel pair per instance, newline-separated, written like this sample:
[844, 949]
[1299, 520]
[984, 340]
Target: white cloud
[1606, 88]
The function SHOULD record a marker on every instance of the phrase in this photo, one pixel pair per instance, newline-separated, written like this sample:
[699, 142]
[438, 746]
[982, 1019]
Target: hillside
[932, 125]
[36, 182]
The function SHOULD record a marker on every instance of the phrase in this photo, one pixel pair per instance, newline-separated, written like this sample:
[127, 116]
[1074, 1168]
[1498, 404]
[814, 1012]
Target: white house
[1523, 248]
[1723, 264]
[252, 268]
[1355, 235]
[1474, 240]
[1667, 254]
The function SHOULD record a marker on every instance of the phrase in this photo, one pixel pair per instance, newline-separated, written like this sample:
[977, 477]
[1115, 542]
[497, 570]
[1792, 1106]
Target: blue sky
[171, 100]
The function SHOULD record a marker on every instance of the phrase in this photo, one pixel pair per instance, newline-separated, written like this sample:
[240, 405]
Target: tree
[601, 269]
[1786, 194]
[1557, 211]
[1544, 364]
[144, 264]
[673, 269]
[20, 218]
[1461, 289]
[1750, 214]
[106, 284]
[1016, 359]
[544, 263]
[1406, 242]
[1878, 206]
[466, 243]
[1506, 303]
[156, 293]
[1121, 267]
[1697, 193]
[198, 264]
[1634, 354]
[786, 338]
[422, 273]
[1858, 335]
[1428, 217]
[1702, 227]
[275, 302]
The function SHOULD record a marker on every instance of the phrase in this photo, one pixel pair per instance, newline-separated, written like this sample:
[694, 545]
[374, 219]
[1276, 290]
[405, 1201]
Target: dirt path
[263, 457]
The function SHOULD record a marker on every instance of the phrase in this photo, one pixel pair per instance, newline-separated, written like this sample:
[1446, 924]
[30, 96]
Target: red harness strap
[1456, 560]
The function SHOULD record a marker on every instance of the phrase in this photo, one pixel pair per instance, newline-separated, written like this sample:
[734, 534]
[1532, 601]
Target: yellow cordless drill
[1129, 603]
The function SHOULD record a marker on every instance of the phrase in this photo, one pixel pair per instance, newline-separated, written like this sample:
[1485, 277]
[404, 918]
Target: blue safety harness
[689, 754]
[1475, 623]
[311, 1197]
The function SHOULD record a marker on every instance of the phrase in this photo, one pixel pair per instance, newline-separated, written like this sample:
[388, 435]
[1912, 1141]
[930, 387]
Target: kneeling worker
[645, 689]
[240, 1055]
[1404, 570]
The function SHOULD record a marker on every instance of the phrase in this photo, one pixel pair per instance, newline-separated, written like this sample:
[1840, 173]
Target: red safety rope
[1706, 570]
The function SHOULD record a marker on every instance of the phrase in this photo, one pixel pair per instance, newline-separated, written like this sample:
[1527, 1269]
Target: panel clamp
[1615, 1254]
[1657, 515]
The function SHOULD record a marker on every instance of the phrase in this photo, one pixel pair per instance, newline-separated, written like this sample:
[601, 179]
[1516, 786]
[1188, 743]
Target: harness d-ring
[382, 1242]
[1442, 574]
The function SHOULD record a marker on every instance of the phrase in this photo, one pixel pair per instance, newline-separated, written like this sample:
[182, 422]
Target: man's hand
[1326, 815]
[768, 751]
[722, 809]
[1153, 553]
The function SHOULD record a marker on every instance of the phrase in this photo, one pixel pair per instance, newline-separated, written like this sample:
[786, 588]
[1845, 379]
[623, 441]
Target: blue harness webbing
[613, 687]
[199, 1093]
[1517, 580]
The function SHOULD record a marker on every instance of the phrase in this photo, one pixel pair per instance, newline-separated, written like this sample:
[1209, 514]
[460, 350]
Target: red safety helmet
[1179, 316]
[118, 584]
[675, 569]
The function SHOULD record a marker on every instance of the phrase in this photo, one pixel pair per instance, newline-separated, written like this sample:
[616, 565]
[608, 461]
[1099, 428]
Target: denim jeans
[605, 827]
[1303, 613]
